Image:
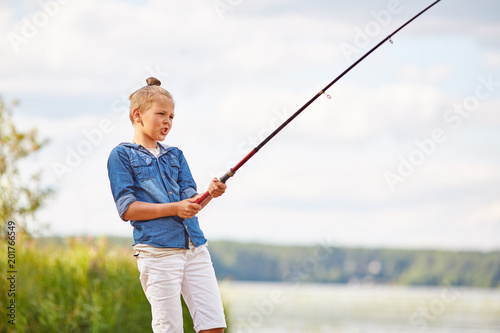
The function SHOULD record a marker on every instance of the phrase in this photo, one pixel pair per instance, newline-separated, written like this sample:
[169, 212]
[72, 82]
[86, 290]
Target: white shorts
[189, 273]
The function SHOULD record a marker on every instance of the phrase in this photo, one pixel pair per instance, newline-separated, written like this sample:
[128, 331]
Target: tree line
[261, 262]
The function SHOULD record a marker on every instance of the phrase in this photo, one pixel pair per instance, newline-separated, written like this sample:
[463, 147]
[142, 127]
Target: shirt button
[170, 193]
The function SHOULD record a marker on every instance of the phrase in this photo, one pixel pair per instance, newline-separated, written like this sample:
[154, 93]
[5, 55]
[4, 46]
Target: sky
[402, 152]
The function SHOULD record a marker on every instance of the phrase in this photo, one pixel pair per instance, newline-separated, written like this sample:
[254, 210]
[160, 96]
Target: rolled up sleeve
[188, 193]
[121, 179]
[122, 204]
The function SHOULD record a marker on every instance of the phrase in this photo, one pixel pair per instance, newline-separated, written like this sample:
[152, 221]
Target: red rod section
[228, 174]
[243, 161]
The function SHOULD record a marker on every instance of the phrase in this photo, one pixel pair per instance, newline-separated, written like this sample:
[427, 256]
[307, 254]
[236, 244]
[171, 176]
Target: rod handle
[222, 179]
[202, 198]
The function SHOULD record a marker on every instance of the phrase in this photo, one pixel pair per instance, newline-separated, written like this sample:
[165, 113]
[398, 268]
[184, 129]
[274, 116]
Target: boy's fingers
[195, 206]
[192, 206]
[220, 185]
[217, 182]
[193, 199]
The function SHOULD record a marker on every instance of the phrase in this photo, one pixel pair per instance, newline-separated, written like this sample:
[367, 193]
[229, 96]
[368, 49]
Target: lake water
[301, 307]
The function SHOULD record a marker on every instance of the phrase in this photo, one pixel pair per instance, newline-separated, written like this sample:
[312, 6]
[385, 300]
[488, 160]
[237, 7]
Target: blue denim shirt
[136, 174]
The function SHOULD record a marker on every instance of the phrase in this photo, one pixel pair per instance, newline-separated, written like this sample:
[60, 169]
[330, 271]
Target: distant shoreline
[338, 265]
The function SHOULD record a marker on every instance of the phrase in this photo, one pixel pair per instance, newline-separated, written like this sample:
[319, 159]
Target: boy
[153, 188]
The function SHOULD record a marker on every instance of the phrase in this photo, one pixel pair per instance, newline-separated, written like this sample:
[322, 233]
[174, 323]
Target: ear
[136, 115]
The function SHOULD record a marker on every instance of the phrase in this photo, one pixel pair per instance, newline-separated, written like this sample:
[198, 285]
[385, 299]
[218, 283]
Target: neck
[145, 142]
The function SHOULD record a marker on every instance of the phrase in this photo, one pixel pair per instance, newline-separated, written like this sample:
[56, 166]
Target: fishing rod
[233, 170]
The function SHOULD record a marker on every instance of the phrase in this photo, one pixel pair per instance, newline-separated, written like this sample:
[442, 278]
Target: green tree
[21, 196]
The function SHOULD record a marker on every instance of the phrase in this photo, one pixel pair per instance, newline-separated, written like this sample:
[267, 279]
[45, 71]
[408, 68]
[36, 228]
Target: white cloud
[492, 60]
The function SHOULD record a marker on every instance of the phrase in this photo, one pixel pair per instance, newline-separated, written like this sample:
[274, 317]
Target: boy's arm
[122, 187]
[139, 210]
[120, 174]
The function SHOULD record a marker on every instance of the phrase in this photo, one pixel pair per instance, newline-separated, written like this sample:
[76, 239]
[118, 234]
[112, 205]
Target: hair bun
[152, 81]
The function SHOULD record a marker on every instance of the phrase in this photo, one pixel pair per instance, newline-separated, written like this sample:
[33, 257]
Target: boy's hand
[216, 188]
[188, 208]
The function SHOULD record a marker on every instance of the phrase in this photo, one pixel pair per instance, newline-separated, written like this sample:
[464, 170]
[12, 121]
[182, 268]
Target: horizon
[257, 242]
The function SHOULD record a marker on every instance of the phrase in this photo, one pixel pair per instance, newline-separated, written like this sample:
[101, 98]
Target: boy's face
[156, 122]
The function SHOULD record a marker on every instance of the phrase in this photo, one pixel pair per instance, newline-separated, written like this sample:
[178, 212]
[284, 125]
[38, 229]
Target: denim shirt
[135, 174]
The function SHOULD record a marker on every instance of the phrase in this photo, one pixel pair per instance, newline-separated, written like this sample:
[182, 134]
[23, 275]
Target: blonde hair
[142, 98]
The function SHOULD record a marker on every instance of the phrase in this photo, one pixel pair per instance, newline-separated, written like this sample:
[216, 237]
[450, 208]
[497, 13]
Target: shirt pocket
[172, 167]
[143, 167]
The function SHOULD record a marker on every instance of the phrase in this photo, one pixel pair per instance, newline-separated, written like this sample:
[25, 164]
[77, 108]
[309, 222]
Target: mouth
[164, 131]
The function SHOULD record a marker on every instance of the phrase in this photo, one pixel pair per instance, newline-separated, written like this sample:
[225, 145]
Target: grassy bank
[81, 285]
